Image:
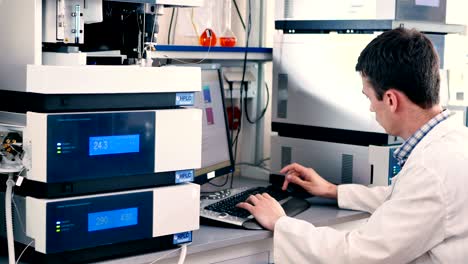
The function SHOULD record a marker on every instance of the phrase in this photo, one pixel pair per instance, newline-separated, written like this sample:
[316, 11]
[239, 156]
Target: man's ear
[391, 98]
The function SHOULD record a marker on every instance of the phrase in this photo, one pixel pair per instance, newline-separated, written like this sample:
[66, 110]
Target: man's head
[400, 74]
[404, 60]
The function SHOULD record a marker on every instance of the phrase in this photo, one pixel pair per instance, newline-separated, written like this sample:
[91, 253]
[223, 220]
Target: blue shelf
[212, 49]
[212, 53]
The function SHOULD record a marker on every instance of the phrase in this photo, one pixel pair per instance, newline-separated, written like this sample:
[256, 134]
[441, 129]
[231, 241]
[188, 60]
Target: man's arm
[402, 229]
[350, 196]
[362, 198]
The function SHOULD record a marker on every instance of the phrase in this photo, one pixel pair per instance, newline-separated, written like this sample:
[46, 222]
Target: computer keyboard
[224, 210]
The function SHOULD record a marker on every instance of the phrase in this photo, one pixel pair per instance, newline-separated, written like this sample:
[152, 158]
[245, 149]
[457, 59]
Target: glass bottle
[227, 39]
[208, 36]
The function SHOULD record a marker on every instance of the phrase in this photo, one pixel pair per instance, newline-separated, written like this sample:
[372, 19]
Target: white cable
[188, 62]
[183, 253]
[9, 218]
[163, 256]
[18, 213]
[24, 250]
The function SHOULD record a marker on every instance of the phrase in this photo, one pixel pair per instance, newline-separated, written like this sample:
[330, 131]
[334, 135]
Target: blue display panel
[100, 145]
[114, 145]
[112, 219]
[393, 167]
[90, 222]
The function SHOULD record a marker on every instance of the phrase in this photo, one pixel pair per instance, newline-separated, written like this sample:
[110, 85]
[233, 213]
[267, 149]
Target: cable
[189, 62]
[175, 25]
[24, 250]
[18, 213]
[219, 185]
[193, 23]
[253, 165]
[172, 251]
[243, 84]
[10, 183]
[249, 29]
[170, 27]
[183, 254]
[239, 14]
[262, 112]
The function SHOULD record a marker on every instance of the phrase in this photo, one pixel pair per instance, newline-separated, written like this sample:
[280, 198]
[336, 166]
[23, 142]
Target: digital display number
[112, 219]
[114, 145]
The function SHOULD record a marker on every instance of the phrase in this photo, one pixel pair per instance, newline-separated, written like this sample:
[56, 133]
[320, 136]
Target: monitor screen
[217, 158]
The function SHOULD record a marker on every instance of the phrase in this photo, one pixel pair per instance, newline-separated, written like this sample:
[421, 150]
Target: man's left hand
[264, 208]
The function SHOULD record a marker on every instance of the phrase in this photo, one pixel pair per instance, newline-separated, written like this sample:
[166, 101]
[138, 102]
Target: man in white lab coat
[422, 216]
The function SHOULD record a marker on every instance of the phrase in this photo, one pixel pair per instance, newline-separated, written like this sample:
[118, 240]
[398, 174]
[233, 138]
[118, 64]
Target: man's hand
[264, 208]
[308, 179]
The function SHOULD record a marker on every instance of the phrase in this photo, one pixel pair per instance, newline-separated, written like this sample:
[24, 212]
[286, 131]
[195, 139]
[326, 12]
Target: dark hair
[404, 60]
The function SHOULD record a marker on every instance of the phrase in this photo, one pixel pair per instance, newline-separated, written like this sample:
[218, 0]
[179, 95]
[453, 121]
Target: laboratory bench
[231, 245]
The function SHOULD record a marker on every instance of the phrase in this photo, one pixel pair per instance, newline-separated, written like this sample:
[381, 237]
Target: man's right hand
[308, 179]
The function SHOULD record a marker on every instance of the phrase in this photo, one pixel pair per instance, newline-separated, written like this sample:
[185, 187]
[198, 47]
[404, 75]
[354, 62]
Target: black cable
[221, 86]
[244, 67]
[249, 29]
[242, 85]
[175, 24]
[239, 14]
[236, 140]
[232, 111]
[262, 112]
[219, 185]
[170, 27]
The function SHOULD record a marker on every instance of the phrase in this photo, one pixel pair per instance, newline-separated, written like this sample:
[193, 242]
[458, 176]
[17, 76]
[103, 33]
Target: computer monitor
[217, 157]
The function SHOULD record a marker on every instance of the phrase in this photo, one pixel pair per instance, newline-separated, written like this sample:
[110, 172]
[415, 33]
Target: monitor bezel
[203, 178]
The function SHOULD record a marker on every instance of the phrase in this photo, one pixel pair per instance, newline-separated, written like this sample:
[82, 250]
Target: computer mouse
[297, 191]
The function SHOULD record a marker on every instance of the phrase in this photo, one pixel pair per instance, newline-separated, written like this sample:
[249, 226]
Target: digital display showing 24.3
[106, 145]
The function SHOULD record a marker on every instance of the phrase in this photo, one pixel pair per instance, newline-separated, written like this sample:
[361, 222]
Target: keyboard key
[228, 205]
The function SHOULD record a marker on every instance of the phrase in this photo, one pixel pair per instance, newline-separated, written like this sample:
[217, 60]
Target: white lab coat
[421, 218]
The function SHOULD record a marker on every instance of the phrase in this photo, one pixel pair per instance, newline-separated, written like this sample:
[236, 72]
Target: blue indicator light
[58, 222]
[112, 219]
[114, 145]
[59, 144]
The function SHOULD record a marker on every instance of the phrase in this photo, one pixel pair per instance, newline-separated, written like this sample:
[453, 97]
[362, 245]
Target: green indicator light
[58, 151]
[58, 227]
[59, 148]
[58, 230]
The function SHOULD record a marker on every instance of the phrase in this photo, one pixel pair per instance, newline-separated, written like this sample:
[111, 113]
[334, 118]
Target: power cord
[24, 250]
[170, 27]
[10, 183]
[249, 29]
[239, 14]
[183, 254]
[242, 85]
[190, 62]
[262, 113]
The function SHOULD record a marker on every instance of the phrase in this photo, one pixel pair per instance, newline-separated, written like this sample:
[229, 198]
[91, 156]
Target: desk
[232, 246]
[238, 246]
